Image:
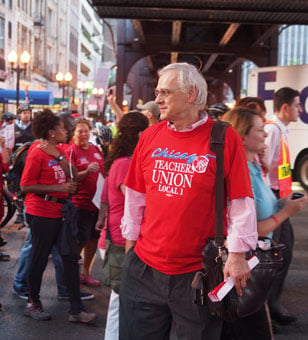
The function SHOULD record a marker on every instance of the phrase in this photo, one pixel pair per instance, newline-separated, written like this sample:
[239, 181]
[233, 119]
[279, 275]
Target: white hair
[189, 77]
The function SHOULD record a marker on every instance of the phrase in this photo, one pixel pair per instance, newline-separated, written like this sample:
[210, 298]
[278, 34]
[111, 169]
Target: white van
[263, 82]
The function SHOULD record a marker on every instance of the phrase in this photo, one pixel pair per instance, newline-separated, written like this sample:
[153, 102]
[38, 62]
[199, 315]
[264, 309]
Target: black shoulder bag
[215, 255]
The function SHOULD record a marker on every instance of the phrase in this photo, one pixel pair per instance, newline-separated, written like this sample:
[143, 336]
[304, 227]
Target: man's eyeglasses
[165, 92]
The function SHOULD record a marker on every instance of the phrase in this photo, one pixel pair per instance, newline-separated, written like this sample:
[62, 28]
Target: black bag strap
[217, 144]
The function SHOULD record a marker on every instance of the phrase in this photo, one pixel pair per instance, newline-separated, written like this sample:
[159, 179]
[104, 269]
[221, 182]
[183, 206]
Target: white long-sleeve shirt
[273, 150]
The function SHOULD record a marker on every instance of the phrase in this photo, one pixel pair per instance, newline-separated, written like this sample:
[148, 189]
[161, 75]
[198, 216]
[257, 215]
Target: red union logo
[200, 164]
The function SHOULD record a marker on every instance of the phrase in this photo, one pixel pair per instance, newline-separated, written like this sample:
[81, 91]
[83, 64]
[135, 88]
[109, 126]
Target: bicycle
[12, 203]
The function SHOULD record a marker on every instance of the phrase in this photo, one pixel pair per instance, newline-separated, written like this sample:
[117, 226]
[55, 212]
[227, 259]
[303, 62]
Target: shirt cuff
[240, 244]
[133, 214]
[242, 226]
[130, 231]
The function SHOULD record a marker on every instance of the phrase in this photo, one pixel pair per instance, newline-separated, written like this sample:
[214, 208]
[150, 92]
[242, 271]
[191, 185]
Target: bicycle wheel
[9, 208]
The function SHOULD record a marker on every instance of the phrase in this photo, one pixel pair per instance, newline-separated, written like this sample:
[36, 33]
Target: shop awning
[58, 100]
[35, 97]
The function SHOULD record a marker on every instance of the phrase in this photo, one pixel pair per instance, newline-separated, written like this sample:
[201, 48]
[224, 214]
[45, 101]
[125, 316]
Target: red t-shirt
[87, 186]
[176, 171]
[41, 168]
[113, 196]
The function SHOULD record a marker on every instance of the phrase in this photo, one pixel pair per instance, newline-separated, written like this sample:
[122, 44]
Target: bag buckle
[222, 254]
[198, 285]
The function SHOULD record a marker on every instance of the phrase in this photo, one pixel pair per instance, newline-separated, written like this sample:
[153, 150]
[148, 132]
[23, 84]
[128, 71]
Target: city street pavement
[14, 326]
[295, 297]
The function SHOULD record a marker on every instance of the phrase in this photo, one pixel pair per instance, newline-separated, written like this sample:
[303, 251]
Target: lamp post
[63, 81]
[125, 106]
[21, 66]
[83, 88]
[97, 93]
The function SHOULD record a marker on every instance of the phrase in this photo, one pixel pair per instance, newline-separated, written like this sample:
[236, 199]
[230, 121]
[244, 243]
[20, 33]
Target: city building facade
[60, 36]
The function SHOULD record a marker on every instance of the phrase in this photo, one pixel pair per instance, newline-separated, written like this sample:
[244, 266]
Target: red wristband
[275, 219]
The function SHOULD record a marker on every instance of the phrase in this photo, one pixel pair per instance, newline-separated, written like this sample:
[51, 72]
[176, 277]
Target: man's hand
[129, 244]
[237, 267]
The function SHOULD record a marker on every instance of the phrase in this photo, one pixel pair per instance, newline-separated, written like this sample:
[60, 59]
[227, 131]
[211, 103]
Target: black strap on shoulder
[217, 144]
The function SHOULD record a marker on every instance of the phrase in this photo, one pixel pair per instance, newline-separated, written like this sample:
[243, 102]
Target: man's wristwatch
[60, 158]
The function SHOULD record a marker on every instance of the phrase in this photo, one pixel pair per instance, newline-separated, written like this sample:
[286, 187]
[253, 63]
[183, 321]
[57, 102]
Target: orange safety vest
[284, 173]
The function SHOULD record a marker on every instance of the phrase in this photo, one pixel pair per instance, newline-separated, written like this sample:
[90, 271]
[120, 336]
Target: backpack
[17, 164]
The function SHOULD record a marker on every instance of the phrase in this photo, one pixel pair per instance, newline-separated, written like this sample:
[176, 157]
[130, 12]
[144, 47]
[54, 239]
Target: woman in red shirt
[44, 181]
[90, 163]
[113, 196]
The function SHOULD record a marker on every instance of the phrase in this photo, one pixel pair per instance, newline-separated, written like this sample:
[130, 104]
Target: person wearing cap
[216, 111]
[23, 128]
[8, 118]
[151, 111]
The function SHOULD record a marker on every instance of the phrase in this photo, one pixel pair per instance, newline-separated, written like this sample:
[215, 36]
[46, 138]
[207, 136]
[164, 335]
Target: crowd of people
[156, 183]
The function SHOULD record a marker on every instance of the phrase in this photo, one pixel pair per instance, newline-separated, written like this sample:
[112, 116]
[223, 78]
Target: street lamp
[63, 81]
[24, 61]
[83, 87]
[125, 106]
[97, 93]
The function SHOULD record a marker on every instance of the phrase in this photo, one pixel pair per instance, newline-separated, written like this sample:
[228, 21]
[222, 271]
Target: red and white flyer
[219, 292]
